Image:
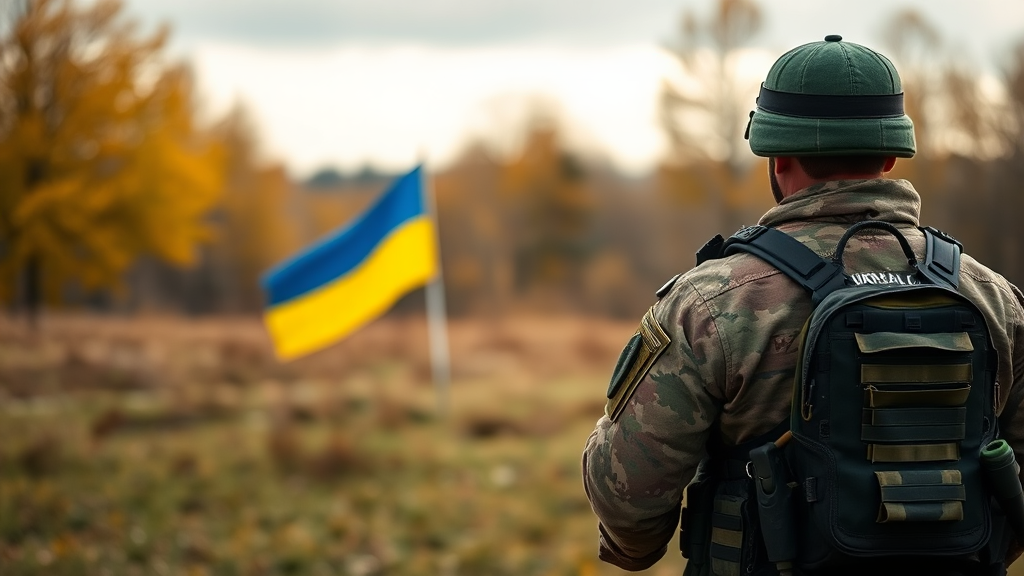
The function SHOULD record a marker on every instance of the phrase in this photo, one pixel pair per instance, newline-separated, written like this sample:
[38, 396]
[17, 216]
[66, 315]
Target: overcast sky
[349, 82]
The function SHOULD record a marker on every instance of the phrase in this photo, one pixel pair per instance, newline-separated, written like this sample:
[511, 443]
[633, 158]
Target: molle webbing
[914, 409]
[914, 416]
[909, 427]
[915, 373]
[890, 341]
[733, 530]
[910, 434]
[915, 425]
[948, 452]
[727, 536]
[887, 398]
[921, 496]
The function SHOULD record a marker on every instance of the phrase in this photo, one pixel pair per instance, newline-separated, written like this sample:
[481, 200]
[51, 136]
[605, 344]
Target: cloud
[981, 28]
[439, 22]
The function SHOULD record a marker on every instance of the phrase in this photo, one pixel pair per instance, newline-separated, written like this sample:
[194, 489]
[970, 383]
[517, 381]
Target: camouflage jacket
[732, 327]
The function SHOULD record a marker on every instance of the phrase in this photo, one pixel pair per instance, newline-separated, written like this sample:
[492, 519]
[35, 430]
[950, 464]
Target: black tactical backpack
[890, 463]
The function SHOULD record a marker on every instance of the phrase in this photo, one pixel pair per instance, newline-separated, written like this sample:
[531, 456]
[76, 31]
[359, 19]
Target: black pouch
[695, 524]
[735, 532]
[736, 544]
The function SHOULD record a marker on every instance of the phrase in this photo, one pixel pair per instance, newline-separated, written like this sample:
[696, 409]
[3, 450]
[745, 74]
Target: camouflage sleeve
[1011, 420]
[636, 466]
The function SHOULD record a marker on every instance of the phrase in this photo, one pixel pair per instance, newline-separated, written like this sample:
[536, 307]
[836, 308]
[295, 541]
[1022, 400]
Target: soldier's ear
[784, 164]
[889, 163]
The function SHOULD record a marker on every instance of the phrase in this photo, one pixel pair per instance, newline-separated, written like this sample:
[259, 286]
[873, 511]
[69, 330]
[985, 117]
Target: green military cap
[831, 98]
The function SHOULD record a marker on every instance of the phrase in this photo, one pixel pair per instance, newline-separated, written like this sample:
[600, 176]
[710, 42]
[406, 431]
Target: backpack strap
[819, 276]
[941, 258]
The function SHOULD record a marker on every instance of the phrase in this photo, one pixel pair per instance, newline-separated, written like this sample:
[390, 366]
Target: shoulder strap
[941, 258]
[817, 275]
[820, 276]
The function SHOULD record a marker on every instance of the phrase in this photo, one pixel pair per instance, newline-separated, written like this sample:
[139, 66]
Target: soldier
[713, 361]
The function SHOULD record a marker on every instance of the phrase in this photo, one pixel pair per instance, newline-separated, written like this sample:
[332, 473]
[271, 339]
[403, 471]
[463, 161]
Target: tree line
[113, 196]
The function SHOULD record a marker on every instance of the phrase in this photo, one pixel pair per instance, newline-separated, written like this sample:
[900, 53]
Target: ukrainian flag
[351, 277]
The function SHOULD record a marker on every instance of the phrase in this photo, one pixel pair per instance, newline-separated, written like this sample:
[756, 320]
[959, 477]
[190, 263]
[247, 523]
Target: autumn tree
[476, 246]
[100, 157]
[704, 111]
[548, 213]
[704, 108]
[254, 230]
[1011, 130]
[1008, 204]
[914, 43]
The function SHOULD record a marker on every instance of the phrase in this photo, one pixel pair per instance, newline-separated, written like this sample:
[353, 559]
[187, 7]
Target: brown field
[171, 446]
[174, 446]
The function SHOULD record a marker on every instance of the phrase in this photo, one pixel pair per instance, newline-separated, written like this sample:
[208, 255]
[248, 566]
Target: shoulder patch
[668, 286]
[640, 353]
[625, 363]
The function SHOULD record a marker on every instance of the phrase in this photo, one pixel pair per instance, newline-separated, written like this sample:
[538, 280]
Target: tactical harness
[890, 461]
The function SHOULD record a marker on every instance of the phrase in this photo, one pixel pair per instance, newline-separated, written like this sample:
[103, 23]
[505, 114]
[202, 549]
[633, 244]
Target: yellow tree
[100, 158]
[254, 230]
[548, 211]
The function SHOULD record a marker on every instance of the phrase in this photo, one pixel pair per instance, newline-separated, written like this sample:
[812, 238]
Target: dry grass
[166, 446]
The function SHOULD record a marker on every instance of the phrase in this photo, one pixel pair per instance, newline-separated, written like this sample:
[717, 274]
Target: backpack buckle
[944, 236]
[748, 233]
[712, 250]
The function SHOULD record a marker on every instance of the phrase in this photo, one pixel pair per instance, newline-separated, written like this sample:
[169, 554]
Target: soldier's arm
[1011, 421]
[636, 466]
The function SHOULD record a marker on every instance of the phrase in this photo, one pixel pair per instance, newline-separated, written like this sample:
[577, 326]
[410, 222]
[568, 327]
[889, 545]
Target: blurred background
[157, 156]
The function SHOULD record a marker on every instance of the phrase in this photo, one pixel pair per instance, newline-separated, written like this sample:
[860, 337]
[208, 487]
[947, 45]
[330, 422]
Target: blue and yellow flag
[354, 275]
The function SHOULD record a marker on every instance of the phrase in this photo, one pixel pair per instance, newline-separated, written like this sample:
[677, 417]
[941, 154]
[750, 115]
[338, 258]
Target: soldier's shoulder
[713, 278]
[988, 287]
[977, 271]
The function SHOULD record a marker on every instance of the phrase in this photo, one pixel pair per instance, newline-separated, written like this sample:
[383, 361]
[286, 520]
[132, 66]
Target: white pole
[437, 317]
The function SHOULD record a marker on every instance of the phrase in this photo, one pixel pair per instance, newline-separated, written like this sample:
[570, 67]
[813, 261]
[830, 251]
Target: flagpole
[437, 317]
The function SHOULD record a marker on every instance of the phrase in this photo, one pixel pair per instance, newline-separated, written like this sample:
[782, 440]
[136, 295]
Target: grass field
[169, 446]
